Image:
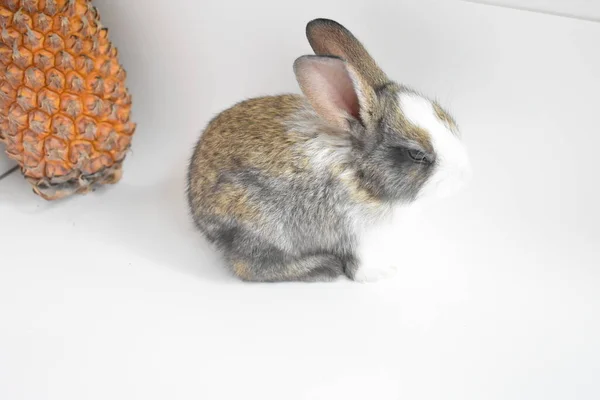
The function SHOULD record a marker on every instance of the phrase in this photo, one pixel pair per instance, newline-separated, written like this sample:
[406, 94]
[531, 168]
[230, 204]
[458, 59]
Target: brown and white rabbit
[290, 187]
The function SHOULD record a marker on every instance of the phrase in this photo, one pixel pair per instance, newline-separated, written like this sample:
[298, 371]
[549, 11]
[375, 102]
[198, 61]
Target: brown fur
[249, 135]
[445, 117]
[241, 270]
[413, 132]
[358, 193]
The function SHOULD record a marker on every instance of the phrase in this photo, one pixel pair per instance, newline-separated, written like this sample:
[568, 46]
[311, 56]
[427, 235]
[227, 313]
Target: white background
[114, 296]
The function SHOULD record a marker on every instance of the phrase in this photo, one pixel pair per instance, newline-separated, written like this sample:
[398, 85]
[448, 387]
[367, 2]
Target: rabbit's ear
[334, 89]
[327, 37]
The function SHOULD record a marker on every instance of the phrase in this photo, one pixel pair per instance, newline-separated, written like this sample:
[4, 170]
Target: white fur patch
[327, 150]
[453, 169]
[377, 248]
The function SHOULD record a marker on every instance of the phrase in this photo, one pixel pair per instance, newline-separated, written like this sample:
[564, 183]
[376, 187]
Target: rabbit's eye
[418, 156]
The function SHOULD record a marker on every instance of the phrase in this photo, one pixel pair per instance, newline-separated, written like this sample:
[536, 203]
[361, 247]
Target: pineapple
[64, 107]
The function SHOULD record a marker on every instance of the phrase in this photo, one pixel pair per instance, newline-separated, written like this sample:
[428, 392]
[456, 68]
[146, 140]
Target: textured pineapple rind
[52, 186]
[77, 185]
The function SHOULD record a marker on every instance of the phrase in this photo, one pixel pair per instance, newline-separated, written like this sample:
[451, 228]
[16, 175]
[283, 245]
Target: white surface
[586, 9]
[113, 295]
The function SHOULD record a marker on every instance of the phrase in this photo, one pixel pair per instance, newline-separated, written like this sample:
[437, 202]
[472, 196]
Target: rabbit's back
[240, 150]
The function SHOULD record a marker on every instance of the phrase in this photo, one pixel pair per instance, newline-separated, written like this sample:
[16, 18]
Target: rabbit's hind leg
[314, 268]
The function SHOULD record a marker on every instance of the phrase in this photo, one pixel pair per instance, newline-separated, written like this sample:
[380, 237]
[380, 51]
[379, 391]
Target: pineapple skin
[64, 107]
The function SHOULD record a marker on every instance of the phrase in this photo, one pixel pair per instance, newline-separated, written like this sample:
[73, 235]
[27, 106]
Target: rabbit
[289, 187]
